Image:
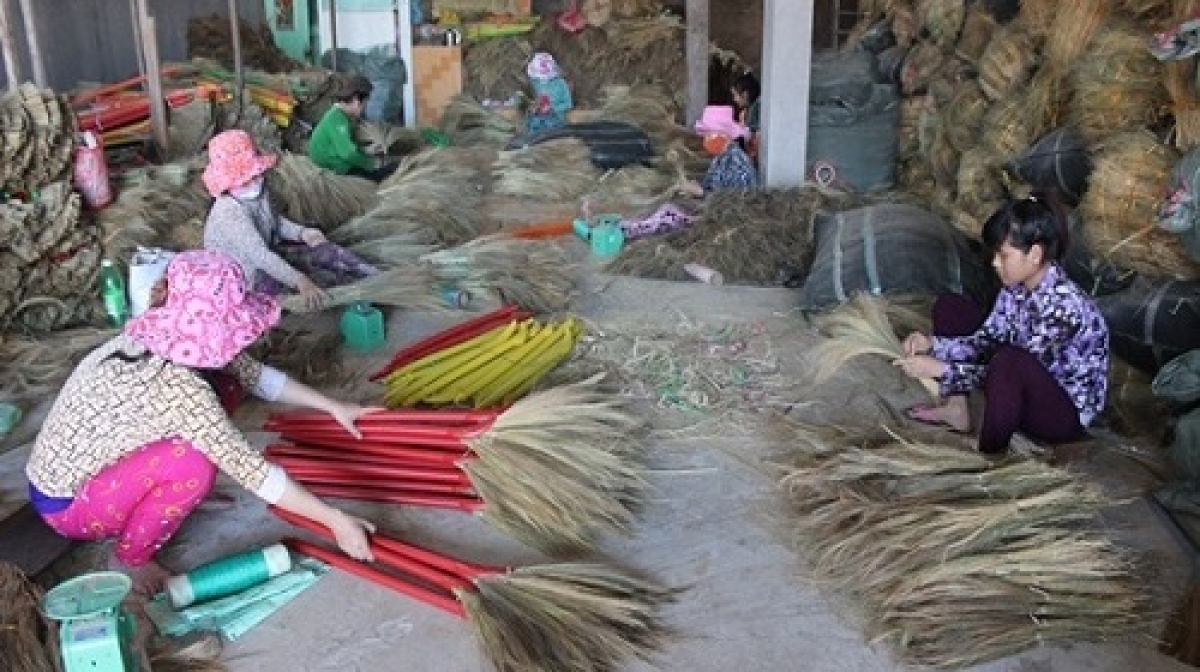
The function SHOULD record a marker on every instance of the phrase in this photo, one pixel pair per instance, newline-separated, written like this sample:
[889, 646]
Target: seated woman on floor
[731, 167]
[1040, 356]
[277, 255]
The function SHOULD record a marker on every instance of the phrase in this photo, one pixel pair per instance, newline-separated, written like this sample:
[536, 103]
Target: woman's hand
[347, 414]
[351, 534]
[921, 366]
[312, 237]
[917, 343]
[314, 297]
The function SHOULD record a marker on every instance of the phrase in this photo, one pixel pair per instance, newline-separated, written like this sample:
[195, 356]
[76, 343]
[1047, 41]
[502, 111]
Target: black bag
[1058, 161]
[893, 249]
[1153, 321]
[1095, 275]
[611, 144]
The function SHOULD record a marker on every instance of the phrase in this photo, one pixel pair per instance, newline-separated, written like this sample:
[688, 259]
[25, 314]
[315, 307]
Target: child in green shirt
[332, 145]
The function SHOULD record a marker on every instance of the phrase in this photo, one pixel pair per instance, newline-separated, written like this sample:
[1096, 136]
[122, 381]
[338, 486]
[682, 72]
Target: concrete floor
[713, 524]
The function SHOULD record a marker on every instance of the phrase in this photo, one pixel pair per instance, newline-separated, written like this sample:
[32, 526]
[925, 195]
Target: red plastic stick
[400, 417]
[468, 571]
[413, 498]
[423, 436]
[363, 571]
[399, 451]
[357, 483]
[388, 457]
[371, 474]
[450, 337]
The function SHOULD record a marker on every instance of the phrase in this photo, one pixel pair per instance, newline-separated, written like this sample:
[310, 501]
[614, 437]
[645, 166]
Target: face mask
[252, 190]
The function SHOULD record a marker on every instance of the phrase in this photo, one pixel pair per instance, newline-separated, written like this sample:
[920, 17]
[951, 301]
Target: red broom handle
[444, 437]
[352, 566]
[386, 454]
[414, 498]
[468, 571]
[448, 417]
[304, 469]
[356, 483]
[449, 337]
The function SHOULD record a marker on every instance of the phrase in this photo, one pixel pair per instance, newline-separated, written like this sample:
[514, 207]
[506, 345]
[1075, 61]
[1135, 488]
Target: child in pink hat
[277, 254]
[732, 167]
[135, 439]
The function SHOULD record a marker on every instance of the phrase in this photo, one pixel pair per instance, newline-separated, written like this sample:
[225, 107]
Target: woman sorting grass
[278, 255]
[1040, 356]
[133, 442]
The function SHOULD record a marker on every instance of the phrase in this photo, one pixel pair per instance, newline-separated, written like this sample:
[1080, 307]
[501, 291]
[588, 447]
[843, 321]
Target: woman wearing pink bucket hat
[135, 439]
[278, 255]
[731, 167]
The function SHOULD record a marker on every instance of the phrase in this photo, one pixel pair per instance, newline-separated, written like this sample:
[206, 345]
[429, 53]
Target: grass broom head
[1129, 176]
[905, 25]
[494, 68]
[1185, 107]
[470, 124]
[534, 274]
[1007, 62]
[1074, 24]
[1117, 85]
[24, 635]
[980, 182]
[307, 193]
[978, 28]
[1007, 131]
[585, 617]
[963, 116]
[409, 286]
[1132, 407]
[36, 367]
[921, 66]
[556, 170]
[943, 159]
[912, 110]
[942, 20]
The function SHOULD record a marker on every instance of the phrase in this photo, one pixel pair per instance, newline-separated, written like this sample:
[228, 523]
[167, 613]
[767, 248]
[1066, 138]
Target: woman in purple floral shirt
[1041, 356]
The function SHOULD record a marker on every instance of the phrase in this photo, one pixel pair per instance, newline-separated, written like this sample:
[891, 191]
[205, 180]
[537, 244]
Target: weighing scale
[95, 632]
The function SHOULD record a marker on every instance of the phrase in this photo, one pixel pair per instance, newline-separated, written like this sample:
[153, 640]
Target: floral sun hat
[718, 119]
[209, 317]
[542, 66]
[233, 161]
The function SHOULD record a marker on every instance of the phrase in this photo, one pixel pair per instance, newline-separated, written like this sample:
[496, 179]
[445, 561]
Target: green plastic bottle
[112, 290]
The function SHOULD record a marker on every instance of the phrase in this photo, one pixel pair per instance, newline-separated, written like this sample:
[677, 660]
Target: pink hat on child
[719, 119]
[542, 66]
[233, 161]
[209, 316]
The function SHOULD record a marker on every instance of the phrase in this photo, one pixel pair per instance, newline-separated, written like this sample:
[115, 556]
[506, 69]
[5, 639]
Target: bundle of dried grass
[943, 159]
[942, 20]
[468, 123]
[557, 170]
[921, 67]
[307, 354]
[37, 367]
[749, 237]
[905, 26]
[409, 286]
[1117, 85]
[962, 118]
[1132, 408]
[1129, 176]
[861, 326]
[1007, 128]
[534, 274]
[382, 138]
[1008, 61]
[1185, 104]
[495, 68]
[155, 213]
[978, 29]
[980, 183]
[646, 106]
[433, 192]
[1154, 15]
[635, 187]
[312, 195]
[908, 137]
[397, 249]
[1074, 25]
[25, 644]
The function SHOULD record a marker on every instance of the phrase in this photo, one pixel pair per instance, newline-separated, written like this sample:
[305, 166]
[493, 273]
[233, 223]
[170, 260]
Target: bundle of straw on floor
[557, 170]
[431, 192]
[25, 639]
[314, 196]
[468, 123]
[495, 68]
[384, 139]
[587, 617]
[978, 28]
[557, 469]
[1117, 85]
[410, 286]
[1007, 62]
[635, 187]
[1010, 127]
[156, 213]
[963, 117]
[397, 249]
[1128, 179]
[980, 183]
[942, 546]
[37, 367]
[1069, 35]
[861, 326]
[537, 275]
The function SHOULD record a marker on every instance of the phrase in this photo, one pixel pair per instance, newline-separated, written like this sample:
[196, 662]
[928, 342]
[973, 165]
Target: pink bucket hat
[209, 315]
[233, 161]
[542, 66]
[719, 119]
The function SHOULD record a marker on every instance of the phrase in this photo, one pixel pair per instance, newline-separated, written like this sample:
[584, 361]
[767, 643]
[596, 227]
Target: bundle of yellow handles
[493, 369]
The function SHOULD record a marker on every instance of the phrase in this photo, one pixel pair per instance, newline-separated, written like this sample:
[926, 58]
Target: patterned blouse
[731, 169]
[248, 230]
[1056, 322]
[109, 407]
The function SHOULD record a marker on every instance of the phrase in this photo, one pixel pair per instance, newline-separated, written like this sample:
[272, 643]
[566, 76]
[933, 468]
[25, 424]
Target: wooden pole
[154, 88]
[333, 35]
[137, 38]
[12, 67]
[239, 74]
[31, 41]
[697, 58]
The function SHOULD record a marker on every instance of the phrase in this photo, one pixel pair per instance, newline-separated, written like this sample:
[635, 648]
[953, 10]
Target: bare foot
[951, 416]
[148, 579]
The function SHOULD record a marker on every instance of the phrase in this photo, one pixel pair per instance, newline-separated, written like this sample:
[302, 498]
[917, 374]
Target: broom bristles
[406, 287]
[23, 633]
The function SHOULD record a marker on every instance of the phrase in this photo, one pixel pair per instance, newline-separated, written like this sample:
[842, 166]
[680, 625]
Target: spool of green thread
[224, 577]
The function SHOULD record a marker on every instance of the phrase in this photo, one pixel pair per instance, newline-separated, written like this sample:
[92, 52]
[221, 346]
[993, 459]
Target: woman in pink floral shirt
[1040, 356]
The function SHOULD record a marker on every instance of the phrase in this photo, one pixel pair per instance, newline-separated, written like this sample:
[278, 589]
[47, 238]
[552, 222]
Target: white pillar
[787, 60]
[697, 58]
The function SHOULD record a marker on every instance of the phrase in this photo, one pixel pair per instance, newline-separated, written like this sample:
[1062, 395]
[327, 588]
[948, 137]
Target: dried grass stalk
[1007, 131]
[24, 634]
[37, 367]
[495, 68]
[1074, 24]
[980, 182]
[978, 29]
[1185, 105]
[409, 286]
[921, 67]
[558, 170]
[942, 20]
[468, 123]
[1117, 85]
[963, 117]
[1129, 176]
[311, 195]
[1007, 62]
[534, 274]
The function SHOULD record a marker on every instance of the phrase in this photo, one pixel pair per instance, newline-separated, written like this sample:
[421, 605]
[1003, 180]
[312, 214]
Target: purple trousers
[1021, 395]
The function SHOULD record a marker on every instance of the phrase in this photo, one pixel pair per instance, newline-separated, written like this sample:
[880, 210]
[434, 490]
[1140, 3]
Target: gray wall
[92, 40]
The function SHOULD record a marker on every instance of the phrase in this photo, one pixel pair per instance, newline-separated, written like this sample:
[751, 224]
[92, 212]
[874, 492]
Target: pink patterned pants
[140, 501]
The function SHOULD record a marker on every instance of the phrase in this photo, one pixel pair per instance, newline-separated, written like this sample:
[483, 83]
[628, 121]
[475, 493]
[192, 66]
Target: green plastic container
[362, 326]
[10, 417]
